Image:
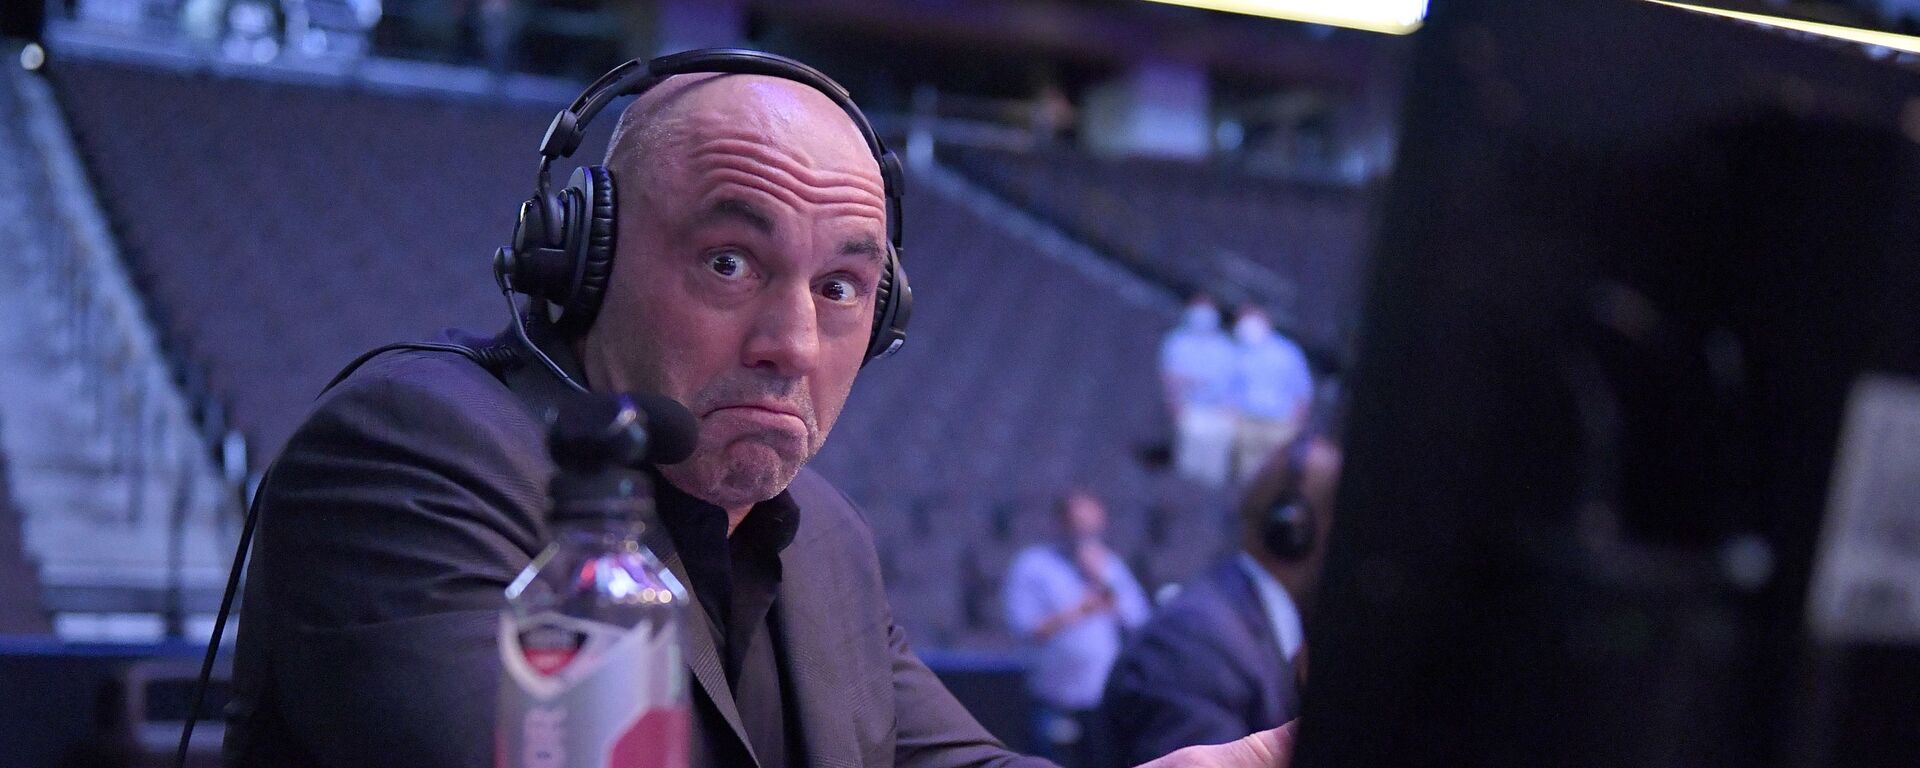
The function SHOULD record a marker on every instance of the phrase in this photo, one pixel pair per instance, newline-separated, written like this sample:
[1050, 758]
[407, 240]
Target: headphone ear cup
[893, 307]
[1289, 531]
[590, 232]
[530, 265]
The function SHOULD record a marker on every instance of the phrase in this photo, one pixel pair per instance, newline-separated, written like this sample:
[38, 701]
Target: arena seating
[280, 229]
[20, 612]
[1291, 246]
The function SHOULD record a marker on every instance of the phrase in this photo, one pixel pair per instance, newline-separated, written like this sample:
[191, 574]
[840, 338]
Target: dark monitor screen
[1633, 400]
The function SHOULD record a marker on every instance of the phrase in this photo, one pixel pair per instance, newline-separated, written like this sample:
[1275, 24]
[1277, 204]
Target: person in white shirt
[1273, 389]
[1198, 366]
[1072, 599]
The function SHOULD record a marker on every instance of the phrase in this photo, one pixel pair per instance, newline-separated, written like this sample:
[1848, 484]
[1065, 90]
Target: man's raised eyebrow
[863, 246]
[739, 210]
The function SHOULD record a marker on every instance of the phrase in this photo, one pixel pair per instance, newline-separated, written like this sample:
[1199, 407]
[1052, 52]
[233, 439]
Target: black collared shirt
[735, 579]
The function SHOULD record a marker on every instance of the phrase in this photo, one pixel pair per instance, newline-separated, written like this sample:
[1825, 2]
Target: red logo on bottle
[549, 649]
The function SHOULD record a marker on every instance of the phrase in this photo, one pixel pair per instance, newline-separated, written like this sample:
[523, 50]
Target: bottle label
[583, 694]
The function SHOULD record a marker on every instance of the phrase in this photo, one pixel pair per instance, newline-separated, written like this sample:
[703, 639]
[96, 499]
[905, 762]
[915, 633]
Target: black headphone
[1289, 529]
[563, 244]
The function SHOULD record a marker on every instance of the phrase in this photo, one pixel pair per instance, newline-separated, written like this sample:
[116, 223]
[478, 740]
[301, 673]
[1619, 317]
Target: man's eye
[727, 264]
[839, 289]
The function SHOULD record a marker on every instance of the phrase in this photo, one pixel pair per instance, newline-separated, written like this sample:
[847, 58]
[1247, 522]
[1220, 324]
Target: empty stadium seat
[1295, 247]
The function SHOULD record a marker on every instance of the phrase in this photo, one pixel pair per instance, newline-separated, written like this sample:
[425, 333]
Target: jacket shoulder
[429, 380]
[410, 418]
[1206, 612]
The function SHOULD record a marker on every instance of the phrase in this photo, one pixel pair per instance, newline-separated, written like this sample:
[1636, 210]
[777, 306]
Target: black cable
[520, 330]
[219, 625]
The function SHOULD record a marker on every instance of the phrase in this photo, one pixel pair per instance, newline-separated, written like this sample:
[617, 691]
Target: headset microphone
[672, 432]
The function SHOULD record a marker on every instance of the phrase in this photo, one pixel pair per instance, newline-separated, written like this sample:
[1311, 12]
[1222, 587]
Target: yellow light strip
[1907, 43]
[1393, 18]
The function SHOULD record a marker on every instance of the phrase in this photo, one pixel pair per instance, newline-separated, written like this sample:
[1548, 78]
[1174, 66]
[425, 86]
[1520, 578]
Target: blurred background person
[1072, 601]
[1197, 369]
[1272, 389]
[1053, 111]
[1229, 652]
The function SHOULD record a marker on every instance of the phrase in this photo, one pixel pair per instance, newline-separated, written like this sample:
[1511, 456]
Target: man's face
[1084, 517]
[751, 240]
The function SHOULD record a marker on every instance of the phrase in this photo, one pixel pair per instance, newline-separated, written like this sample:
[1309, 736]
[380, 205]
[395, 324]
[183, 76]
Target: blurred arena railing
[124, 471]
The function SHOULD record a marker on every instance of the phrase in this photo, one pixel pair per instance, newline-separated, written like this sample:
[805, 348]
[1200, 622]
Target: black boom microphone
[672, 431]
[631, 430]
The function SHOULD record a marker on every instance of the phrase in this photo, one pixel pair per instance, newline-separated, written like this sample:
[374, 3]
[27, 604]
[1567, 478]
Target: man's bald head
[685, 107]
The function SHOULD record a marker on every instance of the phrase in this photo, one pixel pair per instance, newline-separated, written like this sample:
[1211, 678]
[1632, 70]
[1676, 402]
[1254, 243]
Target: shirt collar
[699, 528]
[1281, 612]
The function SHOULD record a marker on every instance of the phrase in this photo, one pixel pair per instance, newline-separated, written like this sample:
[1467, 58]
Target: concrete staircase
[122, 507]
[21, 612]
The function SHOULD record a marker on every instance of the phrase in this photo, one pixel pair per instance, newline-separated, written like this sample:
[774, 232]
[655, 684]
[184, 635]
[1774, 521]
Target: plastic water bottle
[591, 639]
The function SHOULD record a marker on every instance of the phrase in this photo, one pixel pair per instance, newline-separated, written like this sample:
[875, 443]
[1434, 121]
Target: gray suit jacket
[393, 521]
[1206, 669]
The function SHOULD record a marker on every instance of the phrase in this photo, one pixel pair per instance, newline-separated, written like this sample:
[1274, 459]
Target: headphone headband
[635, 77]
[638, 76]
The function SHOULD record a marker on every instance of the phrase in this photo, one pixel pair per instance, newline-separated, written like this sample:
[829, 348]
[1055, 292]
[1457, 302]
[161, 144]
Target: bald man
[752, 232]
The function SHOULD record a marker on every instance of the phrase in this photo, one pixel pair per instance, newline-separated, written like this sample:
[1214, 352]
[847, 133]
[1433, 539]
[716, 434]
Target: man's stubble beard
[715, 476]
[709, 474]
[718, 479]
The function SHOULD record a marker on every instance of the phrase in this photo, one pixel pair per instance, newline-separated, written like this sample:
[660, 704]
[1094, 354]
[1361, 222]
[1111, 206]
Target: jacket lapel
[1280, 694]
[814, 656]
[702, 656]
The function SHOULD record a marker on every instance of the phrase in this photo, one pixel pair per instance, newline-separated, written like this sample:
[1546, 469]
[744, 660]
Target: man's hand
[1266, 749]
[1095, 603]
[1090, 556]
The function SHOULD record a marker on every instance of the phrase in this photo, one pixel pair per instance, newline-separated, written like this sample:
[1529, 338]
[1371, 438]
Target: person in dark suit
[751, 240]
[1228, 654]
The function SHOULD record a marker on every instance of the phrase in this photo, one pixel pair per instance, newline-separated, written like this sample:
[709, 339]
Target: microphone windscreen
[672, 431]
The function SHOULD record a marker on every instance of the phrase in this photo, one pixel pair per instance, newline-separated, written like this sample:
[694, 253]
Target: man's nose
[785, 339]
